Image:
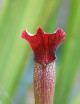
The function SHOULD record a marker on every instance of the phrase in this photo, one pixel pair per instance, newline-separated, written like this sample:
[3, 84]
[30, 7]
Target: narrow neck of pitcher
[44, 82]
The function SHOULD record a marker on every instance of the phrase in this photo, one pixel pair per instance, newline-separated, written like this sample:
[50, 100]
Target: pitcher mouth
[44, 44]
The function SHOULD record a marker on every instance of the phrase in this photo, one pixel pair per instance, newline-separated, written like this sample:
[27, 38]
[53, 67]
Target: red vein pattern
[44, 83]
[44, 46]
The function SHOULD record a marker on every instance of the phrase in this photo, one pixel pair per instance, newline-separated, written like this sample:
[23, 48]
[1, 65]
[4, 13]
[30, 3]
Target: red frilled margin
[44, 45]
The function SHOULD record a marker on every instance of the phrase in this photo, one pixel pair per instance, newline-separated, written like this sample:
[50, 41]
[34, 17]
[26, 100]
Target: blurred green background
[16, 56]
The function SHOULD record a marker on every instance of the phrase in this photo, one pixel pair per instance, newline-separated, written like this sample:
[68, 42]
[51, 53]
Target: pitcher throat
[44, 82]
